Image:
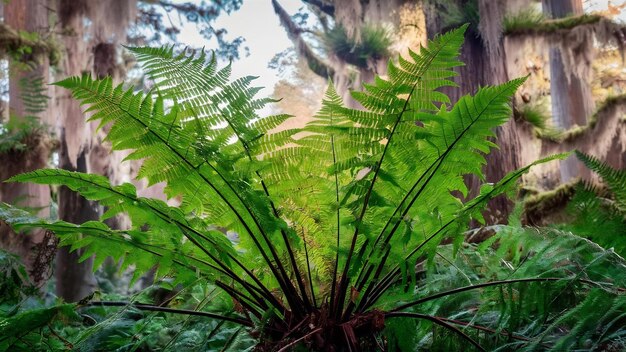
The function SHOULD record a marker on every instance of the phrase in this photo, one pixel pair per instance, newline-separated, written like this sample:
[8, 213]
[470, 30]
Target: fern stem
[240, 298]
[486, 329]
[436, 164]
[380, 287]
[343, 284]
[437, 321]
[395, 271]
[208, 182]
[336, 267]
[308, 266]
[469, 288]
[279, 271]
[152, 308]
[292, 258]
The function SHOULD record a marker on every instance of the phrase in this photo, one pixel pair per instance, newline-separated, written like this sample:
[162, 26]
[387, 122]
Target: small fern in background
[591, 209]
[320, 238]
[20, 133]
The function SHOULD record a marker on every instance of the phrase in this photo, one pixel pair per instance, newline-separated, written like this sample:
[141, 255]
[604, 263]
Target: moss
[543, 204]
[525, 22]
[27, 47]
[374, 45]
[17, 136]
[454, 15]
[535, 114]
[577, 131]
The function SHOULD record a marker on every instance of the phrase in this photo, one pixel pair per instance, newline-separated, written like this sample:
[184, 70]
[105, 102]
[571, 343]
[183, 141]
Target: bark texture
[572, 102]
[97, 29]
[29, 16]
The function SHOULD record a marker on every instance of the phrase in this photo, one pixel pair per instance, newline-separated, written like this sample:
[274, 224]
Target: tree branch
[152, 308]
[325, 7]
[294, 32]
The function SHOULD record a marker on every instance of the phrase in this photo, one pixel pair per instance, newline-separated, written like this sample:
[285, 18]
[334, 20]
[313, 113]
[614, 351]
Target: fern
[614, 179]
[329, 224]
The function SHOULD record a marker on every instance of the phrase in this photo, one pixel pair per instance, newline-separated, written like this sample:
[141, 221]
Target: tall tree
[81, 149]
[29, 63]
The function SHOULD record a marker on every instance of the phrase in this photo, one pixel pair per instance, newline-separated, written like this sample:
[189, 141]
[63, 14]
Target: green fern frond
[614, 179]
[33, 94]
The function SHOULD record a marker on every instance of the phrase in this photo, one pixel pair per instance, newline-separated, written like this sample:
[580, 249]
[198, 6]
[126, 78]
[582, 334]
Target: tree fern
[327, 222]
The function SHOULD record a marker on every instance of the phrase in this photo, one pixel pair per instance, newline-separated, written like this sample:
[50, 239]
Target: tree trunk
[74, 280]
[484, 58]
[82, 148]
[572, 102]
[29, 16]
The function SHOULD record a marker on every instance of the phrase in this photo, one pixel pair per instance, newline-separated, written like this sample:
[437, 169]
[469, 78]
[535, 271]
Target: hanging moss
[532, 22]
[374, 45]
[315, 63]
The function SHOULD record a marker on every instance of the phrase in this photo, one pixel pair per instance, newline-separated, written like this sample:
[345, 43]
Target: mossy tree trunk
[29, 16]
[74, 280]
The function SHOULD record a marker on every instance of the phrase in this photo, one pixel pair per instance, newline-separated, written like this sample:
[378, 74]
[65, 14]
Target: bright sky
[259, 25]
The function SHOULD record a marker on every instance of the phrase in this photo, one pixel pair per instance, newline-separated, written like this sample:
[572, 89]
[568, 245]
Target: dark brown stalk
[246, 302]
[437, 164]
[473, 287]
[343, 283]
[437, 321]
[149, 307]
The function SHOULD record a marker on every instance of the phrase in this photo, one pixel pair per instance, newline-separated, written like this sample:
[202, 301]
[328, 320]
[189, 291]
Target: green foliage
[614, 179]
[26, 322]
[531, 22]
[536, 115]
[31, 328]
[320, 240]
[454, 14]
[373, 45]
[33, 95]
[14, 283]
[19, 134]
[559, 316]
[590, 210]
[525, 19]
